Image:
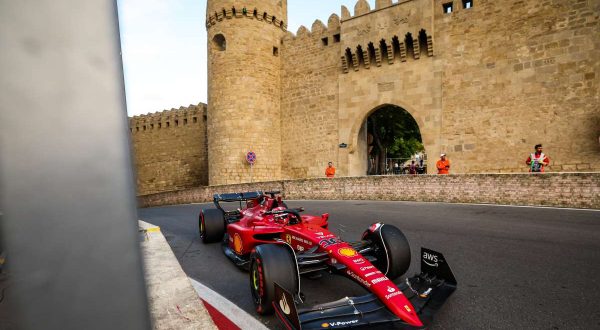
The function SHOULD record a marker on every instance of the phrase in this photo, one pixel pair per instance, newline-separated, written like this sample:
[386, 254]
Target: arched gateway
[354, 158]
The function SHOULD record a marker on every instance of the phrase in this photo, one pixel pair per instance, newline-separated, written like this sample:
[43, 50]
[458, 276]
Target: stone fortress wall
[169, 149]
[484, 84]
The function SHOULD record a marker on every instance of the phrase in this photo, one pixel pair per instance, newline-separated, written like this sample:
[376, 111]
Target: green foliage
[396, 130]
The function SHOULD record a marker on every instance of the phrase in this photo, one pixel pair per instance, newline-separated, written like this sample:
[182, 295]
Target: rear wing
[235, 197]
[426, 291]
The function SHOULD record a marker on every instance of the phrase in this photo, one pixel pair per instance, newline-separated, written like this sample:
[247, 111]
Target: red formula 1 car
[278, 246]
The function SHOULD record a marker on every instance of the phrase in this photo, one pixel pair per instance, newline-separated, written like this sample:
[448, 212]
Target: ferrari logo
[347, 252]
[288, 238]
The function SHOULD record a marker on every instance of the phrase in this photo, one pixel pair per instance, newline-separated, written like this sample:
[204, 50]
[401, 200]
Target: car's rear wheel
[391, 249]
[269, 264]
[211, 225]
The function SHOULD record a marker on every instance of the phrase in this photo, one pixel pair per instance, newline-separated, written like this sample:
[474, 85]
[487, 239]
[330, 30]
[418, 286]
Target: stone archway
[393, 141]
[353, 159]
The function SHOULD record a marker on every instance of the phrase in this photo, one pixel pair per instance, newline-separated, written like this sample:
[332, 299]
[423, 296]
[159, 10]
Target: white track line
[235, 314]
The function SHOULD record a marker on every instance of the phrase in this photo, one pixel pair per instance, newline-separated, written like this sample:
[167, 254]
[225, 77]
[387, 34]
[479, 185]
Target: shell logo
[325, 325]
[238, 246]
[347, 252]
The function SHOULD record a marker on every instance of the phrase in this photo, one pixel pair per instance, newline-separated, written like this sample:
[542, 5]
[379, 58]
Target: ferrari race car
[278, 246]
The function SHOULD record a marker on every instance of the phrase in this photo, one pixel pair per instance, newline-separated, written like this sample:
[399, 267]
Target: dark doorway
[394, 142]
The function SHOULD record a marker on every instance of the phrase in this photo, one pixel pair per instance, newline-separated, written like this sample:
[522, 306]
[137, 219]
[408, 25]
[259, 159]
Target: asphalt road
[517, 268]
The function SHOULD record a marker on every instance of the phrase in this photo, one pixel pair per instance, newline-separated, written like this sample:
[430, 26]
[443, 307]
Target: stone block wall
[310, 65]
[485, 84]
[169, 149]
[518, 73]
[580, 190]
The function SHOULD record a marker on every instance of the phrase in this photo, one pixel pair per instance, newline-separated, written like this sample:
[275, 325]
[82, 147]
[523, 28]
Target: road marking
[235, 314]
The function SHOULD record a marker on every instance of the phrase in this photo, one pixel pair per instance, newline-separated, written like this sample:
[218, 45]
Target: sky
[163, 44]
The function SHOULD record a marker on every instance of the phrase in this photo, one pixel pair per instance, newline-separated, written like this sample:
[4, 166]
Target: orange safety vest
[330, 172]
[441, 166]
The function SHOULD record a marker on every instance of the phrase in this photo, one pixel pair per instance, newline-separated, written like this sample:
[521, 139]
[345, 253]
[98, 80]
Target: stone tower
[244, 78]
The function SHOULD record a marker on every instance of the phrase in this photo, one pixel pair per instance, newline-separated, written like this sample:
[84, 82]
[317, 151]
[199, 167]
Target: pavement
[173, 302]
[517, 267]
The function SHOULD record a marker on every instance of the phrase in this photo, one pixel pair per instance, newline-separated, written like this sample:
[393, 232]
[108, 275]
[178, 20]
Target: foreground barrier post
[67, 196]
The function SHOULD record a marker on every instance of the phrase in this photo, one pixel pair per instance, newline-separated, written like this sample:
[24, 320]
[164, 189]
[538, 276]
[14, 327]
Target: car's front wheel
[269, 264]
[391, 249]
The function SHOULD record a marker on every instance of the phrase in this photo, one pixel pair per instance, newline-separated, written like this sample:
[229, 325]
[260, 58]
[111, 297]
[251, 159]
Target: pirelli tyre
[211, 225]
[269, 264]
[391, 249]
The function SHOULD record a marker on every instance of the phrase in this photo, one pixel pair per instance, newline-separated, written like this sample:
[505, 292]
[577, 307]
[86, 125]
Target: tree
[395, 130]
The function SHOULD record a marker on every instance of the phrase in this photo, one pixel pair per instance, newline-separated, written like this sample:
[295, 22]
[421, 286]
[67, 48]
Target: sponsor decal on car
[397, 293]
[301, 240]
[366, 268]
[359, 261]
[300, 248]
[327, 242]
[288, 238]
[371, 273]
[379, 279]
[407, 308]
[338, 324]
[430, 259]
[347, 252]
[390, 289]
[285, 307]
[358, 278]
[238, 245]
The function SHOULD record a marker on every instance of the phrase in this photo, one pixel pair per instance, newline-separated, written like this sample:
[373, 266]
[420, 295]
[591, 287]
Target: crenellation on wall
[345, 13]
[241, 12]
[333, 23]
[361, 7]
[380, 4]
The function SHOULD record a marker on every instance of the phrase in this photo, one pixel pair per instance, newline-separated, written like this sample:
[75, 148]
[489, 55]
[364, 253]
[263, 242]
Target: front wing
[426, 291]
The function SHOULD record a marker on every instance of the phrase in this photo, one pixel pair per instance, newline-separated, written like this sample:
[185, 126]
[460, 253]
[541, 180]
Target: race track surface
[517, 268]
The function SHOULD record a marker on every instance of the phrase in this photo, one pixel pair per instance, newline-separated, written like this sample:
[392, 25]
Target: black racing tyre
[270, 263]
[391, 250]
[211, 225]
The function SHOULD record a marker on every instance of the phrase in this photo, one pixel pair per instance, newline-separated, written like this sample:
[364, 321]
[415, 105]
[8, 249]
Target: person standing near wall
[443, 165]
[412, 169]
[538, 160]
[330, 170]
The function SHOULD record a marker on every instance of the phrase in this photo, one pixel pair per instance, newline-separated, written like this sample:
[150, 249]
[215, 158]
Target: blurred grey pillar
[66, 186]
